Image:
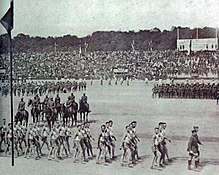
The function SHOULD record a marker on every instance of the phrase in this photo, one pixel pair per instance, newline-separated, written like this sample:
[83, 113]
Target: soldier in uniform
[72, 97]
[199, 142]
[84, 100]
[193, 149]
[57, 100]
[21, 106]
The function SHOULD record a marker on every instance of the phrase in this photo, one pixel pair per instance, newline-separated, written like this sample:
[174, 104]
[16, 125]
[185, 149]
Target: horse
[72, 113]
[83, 110]
[65, 114]
[35, 111]
[22, 116]
[49, 115]
[58, 109]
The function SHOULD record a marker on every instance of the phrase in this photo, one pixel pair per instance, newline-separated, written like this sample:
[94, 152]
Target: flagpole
[11, 94]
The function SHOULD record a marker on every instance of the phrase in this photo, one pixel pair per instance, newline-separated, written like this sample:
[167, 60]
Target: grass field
[123, 104]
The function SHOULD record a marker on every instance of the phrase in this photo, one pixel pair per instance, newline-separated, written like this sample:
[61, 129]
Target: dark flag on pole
[7, 19]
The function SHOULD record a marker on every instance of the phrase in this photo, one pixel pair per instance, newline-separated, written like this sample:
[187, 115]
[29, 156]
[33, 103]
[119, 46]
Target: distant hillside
[105, 40]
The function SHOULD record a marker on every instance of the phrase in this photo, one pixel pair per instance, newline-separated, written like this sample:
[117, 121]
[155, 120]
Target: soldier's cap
[194, 131]
[78, 126]
[195, 127]
[127, 127]
[156, 128]
[4, 119]
[133, 122]
[110, 121]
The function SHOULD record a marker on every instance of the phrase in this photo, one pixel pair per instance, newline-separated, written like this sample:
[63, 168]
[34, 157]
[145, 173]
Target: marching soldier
[193, 149]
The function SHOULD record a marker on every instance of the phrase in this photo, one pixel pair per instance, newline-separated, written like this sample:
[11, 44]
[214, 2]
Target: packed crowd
[140, 64]
[186, 90]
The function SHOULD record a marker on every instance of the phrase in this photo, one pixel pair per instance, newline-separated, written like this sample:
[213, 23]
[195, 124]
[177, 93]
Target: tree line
[105, 40]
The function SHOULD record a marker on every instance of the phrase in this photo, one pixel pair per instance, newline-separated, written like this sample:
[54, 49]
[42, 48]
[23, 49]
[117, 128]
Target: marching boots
[189, 165]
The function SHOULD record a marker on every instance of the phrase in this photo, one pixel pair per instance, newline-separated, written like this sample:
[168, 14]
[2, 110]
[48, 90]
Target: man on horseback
[21, 107]
[72, 97]
[51, 103]
[69, 102]
[84, 101]
[46, 99]
[57, 100]
[35, 111]
[72, 108]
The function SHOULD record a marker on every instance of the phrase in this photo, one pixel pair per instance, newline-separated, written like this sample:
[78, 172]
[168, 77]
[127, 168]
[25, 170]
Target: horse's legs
[37, 117]
[75, 118]
[27, 121]
[80, 116]
[72, 120]
[64, 121]
[86, 116]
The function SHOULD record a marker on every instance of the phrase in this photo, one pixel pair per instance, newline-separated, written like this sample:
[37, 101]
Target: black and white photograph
[109, 87]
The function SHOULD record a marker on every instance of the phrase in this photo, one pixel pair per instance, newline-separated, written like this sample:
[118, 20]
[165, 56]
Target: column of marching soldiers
[30, 141]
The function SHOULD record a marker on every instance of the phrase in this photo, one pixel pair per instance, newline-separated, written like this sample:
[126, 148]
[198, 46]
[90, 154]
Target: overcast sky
[82, 17]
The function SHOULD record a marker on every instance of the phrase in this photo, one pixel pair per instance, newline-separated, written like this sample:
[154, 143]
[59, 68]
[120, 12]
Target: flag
[7, 19]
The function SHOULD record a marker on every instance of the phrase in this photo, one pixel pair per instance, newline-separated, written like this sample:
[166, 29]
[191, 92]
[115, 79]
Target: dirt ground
[123, 104]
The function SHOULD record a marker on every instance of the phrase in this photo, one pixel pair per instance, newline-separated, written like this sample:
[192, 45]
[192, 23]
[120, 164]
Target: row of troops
[42, 88]
[116, 82]
[30, 141]
[49, 106]
[185, 90]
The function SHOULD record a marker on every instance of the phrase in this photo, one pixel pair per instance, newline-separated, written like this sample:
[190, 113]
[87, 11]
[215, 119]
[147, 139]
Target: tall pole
[177, 32]
[11, 94]
[196, 33]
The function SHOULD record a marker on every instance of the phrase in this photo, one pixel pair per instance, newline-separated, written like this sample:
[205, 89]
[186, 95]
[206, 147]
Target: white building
[206, 44]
